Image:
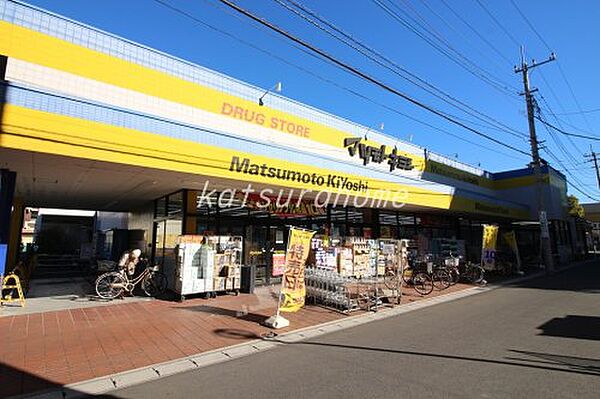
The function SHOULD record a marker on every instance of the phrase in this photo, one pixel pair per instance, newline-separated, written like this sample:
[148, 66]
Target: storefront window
[161, 207]
[388, 224]
[175, 204]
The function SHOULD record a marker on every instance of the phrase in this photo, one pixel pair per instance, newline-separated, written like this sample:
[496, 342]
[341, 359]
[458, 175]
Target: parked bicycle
[440, 278]
[460, 271]
[112, 285]
[421, 282]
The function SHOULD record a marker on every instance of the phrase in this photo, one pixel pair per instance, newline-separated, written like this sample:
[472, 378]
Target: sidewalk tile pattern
[47, 350]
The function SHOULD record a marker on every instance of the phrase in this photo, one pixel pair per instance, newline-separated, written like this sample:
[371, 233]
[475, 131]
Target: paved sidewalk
[45, 350]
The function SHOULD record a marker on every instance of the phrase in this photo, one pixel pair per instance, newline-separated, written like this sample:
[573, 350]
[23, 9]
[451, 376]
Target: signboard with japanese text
[278, 263]
[293, 290]
[377, 154]
[488, 252]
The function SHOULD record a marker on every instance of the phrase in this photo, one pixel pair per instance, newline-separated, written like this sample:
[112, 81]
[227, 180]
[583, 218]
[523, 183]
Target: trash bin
[248, 279]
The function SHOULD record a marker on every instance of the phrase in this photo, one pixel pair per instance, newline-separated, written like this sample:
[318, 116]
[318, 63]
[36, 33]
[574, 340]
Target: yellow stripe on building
[32, 130]
[32, 46]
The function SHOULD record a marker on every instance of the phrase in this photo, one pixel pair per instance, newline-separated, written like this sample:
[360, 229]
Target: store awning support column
[7, 191]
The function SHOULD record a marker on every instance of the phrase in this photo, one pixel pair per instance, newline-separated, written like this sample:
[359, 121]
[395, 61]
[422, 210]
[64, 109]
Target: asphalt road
[540, 339]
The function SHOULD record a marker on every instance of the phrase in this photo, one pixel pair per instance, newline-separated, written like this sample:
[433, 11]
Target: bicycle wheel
[390, 280]
[422, 283]
[407, 275]
[454, 276]
[154, 284]
[441, 279]
[110, 285]
[477, 273]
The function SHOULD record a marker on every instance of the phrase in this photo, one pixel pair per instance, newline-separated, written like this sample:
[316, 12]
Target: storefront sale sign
[293, 290]
[278, 263]
[488, 252]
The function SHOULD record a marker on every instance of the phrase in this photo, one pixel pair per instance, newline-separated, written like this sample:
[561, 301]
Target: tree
[575, 209]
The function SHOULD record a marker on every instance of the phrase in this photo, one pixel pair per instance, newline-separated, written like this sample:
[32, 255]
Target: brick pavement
[45, 350]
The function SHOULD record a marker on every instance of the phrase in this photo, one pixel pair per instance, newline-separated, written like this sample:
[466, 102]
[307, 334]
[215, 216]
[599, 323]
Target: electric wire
[569, 158]
[489, 13]
[464, 63]
[569, 138]
[589, 111]
[365, 76]
[545, 122]
[464, 37]
[397, 69]
[442, 38]
[476, 32]
[570, 183]
[560, 69]
[335, 84]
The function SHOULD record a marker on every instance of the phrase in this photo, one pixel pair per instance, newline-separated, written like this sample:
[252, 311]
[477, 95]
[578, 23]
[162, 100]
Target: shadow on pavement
[272, 337]
[571, 326]
[578, 363]
[586, 279]
[15, 382]
[238, 314]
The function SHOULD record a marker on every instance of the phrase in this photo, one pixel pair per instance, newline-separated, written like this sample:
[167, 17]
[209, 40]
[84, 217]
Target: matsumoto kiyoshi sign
[245, 166]
[369, 154]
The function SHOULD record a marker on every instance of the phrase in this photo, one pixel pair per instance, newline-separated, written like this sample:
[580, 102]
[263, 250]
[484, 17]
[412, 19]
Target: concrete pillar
[189, 212]
[16, 226]
[7, 191]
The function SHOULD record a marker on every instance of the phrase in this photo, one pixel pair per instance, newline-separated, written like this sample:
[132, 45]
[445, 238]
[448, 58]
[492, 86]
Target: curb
[153, 372]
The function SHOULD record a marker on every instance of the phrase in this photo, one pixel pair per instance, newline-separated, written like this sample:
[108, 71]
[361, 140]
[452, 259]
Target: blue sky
[486, 47]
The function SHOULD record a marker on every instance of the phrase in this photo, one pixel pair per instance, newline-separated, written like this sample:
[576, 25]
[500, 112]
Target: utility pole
[592, 155]
[535, 155]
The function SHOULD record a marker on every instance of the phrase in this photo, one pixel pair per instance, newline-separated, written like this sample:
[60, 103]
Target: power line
[476, 32]
[570, 174]
[331, 82]
[560, 69]
[531, 25]
[464, 37]
[589, 111]
[442, 38]
[515, 41]
[370, 53]
[547, 105]
[459, 59]
[581, 136]
[365, 76]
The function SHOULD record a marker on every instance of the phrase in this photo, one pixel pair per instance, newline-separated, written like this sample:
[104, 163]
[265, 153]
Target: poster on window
[278, 263]
[488, 253]
[293, 290]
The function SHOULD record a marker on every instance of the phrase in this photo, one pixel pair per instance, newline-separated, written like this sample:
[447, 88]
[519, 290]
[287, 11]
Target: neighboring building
[94, 121]
[592, 215]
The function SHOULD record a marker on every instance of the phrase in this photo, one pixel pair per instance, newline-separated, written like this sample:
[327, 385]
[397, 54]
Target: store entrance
[265, 251]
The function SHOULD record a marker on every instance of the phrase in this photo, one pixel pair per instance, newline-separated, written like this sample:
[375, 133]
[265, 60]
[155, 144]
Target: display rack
[207, 265]
[358, 281]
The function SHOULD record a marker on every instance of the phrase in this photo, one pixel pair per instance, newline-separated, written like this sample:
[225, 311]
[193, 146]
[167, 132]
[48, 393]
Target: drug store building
[94, 121]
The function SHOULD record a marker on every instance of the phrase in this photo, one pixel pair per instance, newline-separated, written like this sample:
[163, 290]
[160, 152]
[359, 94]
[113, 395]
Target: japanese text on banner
[488, 253]
[293, 290]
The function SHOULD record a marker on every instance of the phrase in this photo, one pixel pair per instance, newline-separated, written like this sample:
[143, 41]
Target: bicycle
[473, 273]
[420, 281]
[112, 285]
[468, 272]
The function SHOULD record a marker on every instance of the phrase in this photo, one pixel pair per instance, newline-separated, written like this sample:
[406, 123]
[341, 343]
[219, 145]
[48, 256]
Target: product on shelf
[207, 264]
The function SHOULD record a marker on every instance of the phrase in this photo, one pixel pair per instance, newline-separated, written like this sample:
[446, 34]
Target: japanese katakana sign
[370, 154]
